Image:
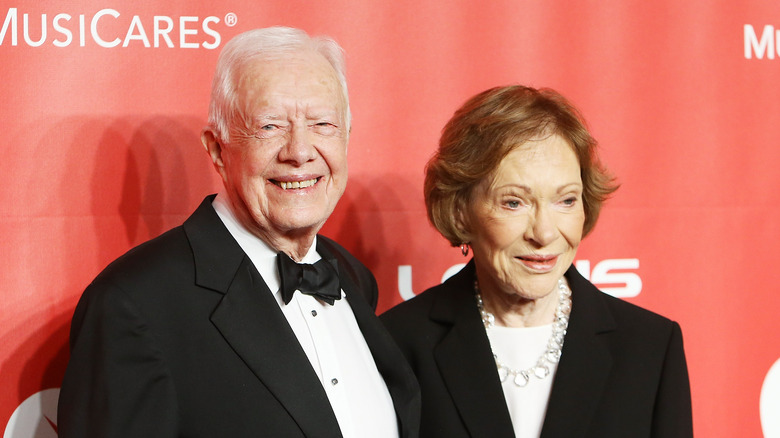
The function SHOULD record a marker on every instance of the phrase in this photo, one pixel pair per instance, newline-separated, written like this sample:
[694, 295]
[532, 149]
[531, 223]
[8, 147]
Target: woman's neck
[512, 310]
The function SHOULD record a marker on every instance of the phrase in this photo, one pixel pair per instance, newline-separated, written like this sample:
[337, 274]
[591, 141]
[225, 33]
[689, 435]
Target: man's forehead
[273, 84]
[278, 66]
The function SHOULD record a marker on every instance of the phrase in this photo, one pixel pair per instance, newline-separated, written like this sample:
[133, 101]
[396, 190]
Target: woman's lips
[539, 262]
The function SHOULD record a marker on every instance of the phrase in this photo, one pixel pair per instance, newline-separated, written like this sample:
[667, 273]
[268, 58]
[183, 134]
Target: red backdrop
[103, 103]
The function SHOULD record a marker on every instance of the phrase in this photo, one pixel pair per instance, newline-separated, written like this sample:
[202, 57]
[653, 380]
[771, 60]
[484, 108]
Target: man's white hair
[269, 43]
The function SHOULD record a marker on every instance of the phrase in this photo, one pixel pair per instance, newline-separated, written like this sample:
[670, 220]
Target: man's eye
[268, 128]
[325, 125]
[325, 128]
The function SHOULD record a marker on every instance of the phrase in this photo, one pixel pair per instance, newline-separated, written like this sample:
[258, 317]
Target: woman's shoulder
[604, 312]
[619, 307]
[418, 306]
[633, 311]
[438, 303]
[633, 317]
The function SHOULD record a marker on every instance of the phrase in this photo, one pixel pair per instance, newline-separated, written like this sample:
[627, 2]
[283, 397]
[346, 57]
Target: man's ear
[213, 147]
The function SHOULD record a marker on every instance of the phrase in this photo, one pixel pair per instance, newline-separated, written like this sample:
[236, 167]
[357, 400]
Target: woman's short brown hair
[489, 126]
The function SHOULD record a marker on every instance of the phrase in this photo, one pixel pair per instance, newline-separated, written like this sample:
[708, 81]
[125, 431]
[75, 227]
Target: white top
[519, 349]
[331, 338]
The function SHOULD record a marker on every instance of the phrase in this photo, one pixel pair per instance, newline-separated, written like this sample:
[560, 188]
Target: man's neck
[294, 246]
[294, 243]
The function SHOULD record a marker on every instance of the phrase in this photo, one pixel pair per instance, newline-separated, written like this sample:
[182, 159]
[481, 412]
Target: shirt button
[313, 313]
[334, 381]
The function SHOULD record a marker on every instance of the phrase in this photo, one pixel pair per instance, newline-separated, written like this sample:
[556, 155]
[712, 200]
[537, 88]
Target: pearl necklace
[554, 345]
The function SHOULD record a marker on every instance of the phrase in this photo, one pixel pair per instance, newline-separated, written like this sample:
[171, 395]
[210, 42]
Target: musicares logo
[768, 45]
[184, 32]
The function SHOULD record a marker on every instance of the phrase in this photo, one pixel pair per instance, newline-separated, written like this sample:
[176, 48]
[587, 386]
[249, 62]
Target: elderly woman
[518, 343]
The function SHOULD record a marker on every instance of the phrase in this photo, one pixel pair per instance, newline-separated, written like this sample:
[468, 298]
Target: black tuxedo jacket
[181, 337]
[622, 374]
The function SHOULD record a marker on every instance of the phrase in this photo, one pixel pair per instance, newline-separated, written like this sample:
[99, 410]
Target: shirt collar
[262, 255]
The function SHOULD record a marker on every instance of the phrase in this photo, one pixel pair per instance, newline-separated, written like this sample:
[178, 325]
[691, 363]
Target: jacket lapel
[251, 322]
[389, 360]
[466, 363]
[585, 363]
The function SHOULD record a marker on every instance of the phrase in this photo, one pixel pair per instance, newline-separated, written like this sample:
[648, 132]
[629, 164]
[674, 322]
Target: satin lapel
[389, 360]
[585, 363]
[254, 326]
[466, 363]
[217, 255]
[250, 320]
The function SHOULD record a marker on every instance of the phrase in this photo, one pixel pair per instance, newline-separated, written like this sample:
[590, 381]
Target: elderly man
[214, 329]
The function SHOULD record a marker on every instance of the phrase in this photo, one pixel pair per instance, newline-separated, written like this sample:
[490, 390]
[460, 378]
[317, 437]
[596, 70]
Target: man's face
[285, 167]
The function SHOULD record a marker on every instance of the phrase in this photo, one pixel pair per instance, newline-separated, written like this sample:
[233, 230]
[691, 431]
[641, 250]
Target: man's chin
[299, 225]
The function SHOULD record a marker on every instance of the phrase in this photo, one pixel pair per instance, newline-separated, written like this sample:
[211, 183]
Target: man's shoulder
[169, 255]
[343, 256]
[337, 250]
[349, 265]
[165, 255]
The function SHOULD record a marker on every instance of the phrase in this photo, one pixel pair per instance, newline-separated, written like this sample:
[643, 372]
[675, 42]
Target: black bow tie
[320, 279]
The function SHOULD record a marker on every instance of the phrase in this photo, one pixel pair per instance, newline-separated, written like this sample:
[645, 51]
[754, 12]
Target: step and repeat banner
[103, 102]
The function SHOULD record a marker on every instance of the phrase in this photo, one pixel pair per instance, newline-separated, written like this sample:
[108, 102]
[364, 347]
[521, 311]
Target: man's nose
[299, 147]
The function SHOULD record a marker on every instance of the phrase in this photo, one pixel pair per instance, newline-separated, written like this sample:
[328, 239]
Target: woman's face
[526, 220]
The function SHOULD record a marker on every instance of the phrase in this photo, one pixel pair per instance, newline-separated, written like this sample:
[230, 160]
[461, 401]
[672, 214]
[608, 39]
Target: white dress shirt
[331, 338]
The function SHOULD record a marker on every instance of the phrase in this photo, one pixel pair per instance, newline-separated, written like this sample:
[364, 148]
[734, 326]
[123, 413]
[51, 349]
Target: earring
[464, 249]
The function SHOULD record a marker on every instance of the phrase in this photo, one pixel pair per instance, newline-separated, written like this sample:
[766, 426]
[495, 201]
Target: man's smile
[296, 184]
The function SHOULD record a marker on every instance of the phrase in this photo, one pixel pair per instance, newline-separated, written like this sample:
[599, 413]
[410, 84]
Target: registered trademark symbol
[231, 19]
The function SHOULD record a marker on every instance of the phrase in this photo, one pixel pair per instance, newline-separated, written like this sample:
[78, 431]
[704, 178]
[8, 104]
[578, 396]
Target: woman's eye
[570, 201]
[512, 204]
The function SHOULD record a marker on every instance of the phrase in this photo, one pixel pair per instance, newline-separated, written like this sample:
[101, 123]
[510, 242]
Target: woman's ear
[462, 223]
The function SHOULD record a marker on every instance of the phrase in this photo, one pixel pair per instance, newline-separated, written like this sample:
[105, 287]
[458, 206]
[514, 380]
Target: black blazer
[622, 374]
[180, 337]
